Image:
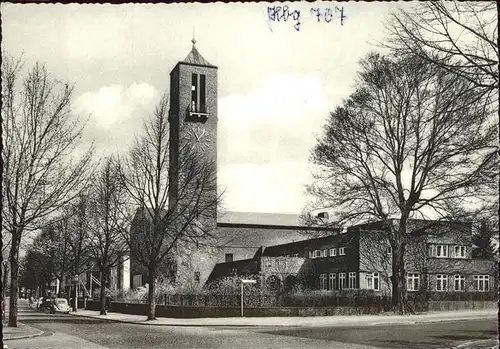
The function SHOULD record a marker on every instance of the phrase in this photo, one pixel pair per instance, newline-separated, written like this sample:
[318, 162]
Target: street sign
[245, 281]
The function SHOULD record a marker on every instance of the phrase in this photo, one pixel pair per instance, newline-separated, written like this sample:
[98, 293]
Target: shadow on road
[459, 337]
[64, 320]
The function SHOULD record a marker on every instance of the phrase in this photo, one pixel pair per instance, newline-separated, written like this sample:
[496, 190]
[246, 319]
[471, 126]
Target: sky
[277, 84]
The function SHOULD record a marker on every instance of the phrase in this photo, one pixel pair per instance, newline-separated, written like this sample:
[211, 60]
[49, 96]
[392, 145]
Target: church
[193, 116]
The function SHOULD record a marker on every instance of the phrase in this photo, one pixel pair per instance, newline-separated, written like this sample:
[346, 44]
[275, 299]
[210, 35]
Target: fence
[418, 301]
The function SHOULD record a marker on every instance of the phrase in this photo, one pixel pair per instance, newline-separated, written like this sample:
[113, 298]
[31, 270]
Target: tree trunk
[76, 298]
[399, 296]
[5, 277]
[103, 293]
[151, 296]
[395, 281]
[14, 282]
[403, 301]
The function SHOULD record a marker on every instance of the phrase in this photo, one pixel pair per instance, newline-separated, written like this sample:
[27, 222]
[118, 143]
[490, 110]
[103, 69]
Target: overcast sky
[276, 84]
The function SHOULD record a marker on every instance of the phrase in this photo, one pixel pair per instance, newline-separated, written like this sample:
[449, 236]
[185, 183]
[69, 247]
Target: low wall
[185, 312]
[461, 305]
[174, 311]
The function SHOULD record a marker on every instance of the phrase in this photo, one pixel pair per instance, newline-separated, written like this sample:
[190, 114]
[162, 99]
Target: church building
[193, 118]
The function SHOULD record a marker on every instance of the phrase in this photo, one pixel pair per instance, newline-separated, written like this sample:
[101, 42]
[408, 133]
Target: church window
[194, 92]
[197, 276]
[198, 93]
[203, 108]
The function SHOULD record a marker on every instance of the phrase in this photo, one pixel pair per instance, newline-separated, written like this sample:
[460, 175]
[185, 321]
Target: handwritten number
[328, 15]
[284, 13]
[317, 13]
[342, 17]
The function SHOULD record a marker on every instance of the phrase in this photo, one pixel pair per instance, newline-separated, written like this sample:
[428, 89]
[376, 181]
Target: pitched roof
[194, 57]
[242, 267]
[283, 219]
[255, 237]
[309, 244]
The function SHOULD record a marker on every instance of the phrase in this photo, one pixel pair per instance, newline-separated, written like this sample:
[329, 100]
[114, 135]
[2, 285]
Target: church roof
[194, 57]
[259, 218]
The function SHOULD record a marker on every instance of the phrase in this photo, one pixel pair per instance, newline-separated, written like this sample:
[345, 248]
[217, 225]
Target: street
[69, 331]
[418, 336]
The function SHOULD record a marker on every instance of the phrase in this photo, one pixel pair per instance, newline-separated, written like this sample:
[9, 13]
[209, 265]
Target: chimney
[323, 215]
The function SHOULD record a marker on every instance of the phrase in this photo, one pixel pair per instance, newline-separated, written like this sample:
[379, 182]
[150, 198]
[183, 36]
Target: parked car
[39, 302]
[61, 305]
[47, 305]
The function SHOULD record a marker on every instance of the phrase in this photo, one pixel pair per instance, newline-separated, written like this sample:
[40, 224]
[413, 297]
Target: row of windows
[439, 251]
[445, 251]
[340, 281]
[481, 283]
[332, 252]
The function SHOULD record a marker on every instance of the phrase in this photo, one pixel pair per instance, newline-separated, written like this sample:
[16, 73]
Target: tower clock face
[198, 137]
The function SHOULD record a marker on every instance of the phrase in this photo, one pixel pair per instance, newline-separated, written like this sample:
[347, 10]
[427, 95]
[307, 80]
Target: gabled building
[438, 259]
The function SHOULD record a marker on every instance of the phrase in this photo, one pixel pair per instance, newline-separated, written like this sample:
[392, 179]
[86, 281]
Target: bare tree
[285, 269]
[54, 242]
[162, 221]
[37, 271]
[460, 37]
[80, 251]
[40, 136]
[411, 140]
[105, 237]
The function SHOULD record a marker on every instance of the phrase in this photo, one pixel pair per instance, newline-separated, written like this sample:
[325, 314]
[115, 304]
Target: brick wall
[204, 312]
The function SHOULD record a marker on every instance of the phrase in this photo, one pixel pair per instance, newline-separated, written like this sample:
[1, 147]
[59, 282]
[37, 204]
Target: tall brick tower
[193, 112]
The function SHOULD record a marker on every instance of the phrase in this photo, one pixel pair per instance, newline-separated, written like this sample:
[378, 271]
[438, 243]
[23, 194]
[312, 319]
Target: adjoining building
[192, 263]
[438, 259]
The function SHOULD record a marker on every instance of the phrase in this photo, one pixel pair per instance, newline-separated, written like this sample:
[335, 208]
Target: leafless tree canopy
[174, 203]
[412, 137]
[461, 37]
[40, 136]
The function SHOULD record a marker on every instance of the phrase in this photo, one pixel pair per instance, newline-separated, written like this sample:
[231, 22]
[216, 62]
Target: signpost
[77, 287]
[243, 281]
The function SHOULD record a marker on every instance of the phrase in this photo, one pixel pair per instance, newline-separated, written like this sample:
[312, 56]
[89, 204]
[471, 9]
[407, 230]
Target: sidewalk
[20, 332]
[316, 321]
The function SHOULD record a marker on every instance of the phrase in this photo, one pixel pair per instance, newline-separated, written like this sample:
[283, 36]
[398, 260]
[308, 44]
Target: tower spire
[193, 40]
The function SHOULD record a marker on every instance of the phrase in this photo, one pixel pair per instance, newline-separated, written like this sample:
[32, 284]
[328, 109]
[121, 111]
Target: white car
[61, 305]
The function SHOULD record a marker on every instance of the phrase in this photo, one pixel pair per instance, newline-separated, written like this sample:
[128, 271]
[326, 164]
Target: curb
[405, 322]
[173, 325]
[38, 334]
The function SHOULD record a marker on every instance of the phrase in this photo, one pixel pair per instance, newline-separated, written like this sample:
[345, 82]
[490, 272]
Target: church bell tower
[193, 114]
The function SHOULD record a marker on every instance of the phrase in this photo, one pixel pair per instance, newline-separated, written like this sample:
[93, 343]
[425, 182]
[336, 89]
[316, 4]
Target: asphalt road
[417, 336]
[68, 331]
